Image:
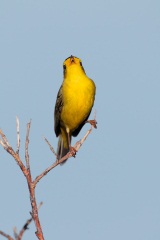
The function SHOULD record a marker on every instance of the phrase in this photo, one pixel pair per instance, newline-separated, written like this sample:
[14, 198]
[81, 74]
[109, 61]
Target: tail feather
[63, 147]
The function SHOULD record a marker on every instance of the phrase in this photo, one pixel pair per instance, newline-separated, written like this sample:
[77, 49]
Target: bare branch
[27, 173]
[68, 155]
[4, 141]
[5, 144]
[94, 114]
[31, 187]
[93, 122]
[56, 163]
[18, 135]
[26, 145]
[51, 148]
[6, 235]
[79, 143]
[15, 233]
[25, 227]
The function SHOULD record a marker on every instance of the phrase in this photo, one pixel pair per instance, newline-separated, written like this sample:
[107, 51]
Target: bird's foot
[72, 151]
[92, 122]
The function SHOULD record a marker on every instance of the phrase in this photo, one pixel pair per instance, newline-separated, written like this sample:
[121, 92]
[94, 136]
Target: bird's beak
[72, 59]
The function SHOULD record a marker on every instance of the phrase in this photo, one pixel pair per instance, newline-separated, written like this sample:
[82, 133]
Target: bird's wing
[57, 112]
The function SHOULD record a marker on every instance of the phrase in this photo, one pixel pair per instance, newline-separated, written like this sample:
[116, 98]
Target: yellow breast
[78, 98]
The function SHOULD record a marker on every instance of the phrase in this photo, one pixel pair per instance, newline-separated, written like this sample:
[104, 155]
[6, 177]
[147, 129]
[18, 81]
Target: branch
[50, 146]
[25, 227]
[27, 173]
[5, 144]
[31, 187]
[68, 155]
[6, 235]
[18, 135]
[26, 146]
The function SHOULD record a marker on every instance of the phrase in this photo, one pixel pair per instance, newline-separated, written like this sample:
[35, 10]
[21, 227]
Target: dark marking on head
[64, 69]
[82, 66]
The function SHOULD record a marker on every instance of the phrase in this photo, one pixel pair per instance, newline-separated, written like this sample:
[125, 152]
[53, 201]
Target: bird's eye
[64, 67]
[80, 63]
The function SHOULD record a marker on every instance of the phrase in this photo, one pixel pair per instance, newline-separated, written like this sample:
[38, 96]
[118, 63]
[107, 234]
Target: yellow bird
[73, 105]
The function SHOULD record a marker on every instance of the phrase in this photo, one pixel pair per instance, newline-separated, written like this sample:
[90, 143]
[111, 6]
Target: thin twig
[95, 114]
[4, 139]
[6, 235]
[26, 145]
[51, 148]
[15, 233]
[2, 143]
[5, 144]
[25, 227]
[79, 143]
[68, 155]
[18, 135]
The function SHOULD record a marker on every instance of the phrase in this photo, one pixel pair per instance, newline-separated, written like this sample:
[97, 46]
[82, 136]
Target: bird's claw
[92, 122]
[72, 151]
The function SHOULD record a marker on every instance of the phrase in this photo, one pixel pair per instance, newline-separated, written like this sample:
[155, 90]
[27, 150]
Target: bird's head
[72, 65]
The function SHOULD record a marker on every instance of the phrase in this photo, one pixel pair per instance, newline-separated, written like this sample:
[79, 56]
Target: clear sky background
[111, 190]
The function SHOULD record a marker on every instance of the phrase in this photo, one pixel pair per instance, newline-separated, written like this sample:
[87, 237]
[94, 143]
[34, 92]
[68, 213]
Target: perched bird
[73, 105]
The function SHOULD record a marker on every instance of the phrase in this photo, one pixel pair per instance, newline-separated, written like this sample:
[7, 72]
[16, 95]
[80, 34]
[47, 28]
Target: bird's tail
[63, 146]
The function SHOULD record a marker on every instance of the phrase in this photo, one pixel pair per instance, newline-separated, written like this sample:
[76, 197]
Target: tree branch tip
[6, 235]
[29, 124]
[40, 204]
[95, 111]
[50, 146]
[15, 229]
[1, 133]
[44, 137]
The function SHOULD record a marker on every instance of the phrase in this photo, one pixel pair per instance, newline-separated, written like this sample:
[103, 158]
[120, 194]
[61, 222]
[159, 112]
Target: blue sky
[111, 189]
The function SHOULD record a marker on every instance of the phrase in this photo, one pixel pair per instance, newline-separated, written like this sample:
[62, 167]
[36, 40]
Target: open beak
[72, 59]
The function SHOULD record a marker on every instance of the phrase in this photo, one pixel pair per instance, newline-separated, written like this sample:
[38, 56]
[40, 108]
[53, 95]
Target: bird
[74, 103]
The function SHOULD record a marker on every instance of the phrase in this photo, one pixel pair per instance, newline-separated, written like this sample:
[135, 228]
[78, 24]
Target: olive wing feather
[57, 112]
